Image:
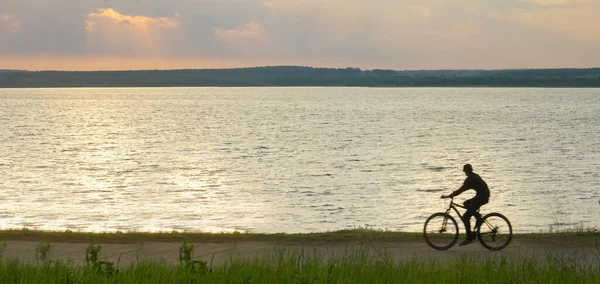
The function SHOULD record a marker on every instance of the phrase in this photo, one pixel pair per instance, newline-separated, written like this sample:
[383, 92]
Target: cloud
[580, 24]
[345, 29]
[9, 24]
[250, 31]
[546, 2]
[367, 34]
[111, 32]
[112, 16]
[421, 11]
[555, 2]
[382, 24]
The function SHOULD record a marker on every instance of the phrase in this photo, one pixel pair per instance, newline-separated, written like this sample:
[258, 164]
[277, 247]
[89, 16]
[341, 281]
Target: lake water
[293, 159]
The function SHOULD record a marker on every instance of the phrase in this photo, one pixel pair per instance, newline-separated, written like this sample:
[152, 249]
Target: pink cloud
[114, 17]
[250, 31]
[9, 23]
[580, 24]
[110, 32]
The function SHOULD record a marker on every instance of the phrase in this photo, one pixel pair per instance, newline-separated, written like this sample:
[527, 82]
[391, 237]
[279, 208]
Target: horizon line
[301, 66]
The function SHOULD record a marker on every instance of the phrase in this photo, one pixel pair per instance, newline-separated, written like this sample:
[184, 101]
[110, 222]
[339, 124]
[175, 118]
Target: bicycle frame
[477, 215]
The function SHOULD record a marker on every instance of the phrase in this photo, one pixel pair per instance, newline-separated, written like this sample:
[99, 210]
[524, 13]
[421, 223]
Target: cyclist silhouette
[473, 181]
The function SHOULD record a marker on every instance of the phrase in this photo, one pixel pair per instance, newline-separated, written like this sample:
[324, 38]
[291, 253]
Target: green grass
[304, 268]
[299, 267]
[343, 235]
[136, 237]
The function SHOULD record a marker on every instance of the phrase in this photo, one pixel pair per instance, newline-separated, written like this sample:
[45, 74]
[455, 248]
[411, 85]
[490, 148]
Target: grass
[303, 268]
[136, 237]
[343, 235]
[296, 266]
[565, 236]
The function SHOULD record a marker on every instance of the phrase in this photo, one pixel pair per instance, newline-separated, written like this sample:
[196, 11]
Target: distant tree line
[304, 76]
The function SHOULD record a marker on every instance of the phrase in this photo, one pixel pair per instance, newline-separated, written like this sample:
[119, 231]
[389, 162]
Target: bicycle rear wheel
[440, 231]
[495, 231]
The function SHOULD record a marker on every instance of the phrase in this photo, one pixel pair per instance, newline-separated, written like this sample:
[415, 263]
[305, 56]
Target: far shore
[289, 76]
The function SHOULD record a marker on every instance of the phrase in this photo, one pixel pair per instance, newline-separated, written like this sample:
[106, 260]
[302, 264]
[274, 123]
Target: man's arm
[458, 191]
[466, 185]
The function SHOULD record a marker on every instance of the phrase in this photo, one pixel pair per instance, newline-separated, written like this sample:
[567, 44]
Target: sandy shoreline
[580, 251]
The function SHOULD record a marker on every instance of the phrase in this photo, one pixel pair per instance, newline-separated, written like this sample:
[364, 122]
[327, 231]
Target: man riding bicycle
[473, 181]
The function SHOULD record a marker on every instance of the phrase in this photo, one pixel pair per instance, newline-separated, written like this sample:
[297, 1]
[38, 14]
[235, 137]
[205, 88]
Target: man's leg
[466, 218]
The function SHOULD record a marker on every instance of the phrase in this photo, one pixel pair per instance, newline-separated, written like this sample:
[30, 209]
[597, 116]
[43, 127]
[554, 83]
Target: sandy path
[578, 253]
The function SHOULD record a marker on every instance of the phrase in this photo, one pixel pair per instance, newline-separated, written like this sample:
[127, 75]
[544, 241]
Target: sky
[373, 34]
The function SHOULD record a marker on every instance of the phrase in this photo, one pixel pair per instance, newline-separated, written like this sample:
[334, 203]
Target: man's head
[468, 169]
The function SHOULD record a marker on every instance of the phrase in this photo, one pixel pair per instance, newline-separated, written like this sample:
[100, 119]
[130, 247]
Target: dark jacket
[474, 181]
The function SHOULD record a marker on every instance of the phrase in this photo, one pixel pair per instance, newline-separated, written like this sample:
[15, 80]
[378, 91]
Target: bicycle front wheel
[495, 231]
[441, 231]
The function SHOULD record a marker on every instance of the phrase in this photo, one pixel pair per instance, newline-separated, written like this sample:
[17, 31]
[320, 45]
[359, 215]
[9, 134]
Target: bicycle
[493, 230]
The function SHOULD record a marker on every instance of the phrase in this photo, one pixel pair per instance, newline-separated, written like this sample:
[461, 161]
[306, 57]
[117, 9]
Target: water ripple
[292, 159]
